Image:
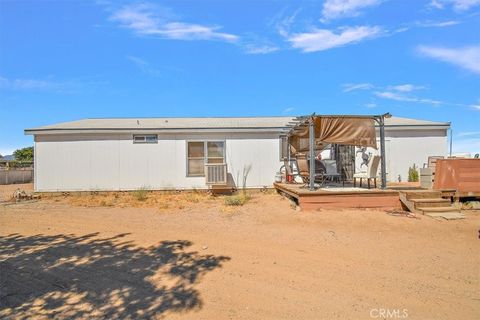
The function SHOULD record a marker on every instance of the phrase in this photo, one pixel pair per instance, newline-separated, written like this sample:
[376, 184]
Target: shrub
[236, 200]
[413, 174]
[141, 194]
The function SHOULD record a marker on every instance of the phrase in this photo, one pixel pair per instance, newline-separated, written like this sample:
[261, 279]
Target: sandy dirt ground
[6, 191]
[188, 256]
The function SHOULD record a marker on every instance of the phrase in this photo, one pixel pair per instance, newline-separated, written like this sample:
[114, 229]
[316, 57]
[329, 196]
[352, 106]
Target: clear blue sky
[67, 60]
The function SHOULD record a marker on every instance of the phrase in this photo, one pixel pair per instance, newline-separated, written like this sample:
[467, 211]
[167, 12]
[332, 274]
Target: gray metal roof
[172, 123]
[398, 121]
[192, 124]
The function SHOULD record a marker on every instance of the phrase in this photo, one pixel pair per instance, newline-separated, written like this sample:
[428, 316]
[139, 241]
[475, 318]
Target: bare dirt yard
[188, 256]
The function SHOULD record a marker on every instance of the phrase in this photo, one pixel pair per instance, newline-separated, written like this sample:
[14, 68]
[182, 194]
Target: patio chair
[371, 173]
[332, 172]
[304, 169]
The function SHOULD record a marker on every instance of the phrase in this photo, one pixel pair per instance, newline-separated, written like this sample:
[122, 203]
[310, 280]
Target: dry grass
[167, 200]
[470, 205]
[162, 200]
[141, 198]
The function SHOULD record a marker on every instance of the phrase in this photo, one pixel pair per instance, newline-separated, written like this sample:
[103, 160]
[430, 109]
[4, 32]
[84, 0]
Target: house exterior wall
[408, 147]
[81, 162]
[403, 148]
[113, 162]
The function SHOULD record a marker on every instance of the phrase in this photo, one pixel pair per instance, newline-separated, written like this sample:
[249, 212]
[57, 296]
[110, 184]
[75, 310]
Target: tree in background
[24, 154]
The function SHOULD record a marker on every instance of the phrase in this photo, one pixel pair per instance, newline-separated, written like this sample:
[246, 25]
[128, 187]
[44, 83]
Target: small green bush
[141, 194]
[236, 200]
[413, 174]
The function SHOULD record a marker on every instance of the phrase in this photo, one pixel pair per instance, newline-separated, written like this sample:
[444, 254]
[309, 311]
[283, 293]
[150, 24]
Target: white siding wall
[409, 147]
[114, 162]
[404, 148]
[403, 152]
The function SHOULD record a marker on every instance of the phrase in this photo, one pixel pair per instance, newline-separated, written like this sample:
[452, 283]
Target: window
[196, 158]
[145, 138]
[201, 152]
[283, 148]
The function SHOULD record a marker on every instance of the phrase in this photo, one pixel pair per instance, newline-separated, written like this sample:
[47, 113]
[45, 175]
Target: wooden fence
[17, 175]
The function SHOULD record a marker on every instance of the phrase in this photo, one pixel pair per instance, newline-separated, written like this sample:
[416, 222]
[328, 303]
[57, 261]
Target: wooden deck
[328, 198]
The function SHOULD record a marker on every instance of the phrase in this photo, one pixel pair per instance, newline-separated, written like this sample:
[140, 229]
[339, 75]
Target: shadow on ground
[66, 276]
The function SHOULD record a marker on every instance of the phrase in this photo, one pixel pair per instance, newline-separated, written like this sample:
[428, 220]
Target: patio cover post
[382, 151]
[289, 155]
[311, 135]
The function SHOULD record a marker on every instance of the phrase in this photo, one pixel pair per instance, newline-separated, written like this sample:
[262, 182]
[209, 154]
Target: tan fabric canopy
[342, 130]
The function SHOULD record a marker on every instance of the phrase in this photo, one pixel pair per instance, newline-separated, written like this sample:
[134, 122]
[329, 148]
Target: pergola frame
[300, 123]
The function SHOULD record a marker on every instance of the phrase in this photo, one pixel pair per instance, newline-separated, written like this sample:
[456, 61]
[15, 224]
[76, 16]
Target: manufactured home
[184, 153]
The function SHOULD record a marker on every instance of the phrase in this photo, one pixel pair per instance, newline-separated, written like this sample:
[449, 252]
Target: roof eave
[36, 131]
[49, 131]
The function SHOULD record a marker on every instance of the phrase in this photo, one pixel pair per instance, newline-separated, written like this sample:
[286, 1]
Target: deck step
[450, 215]
[431, 202]
[428, 203]
[421, 194]
[440, 209]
